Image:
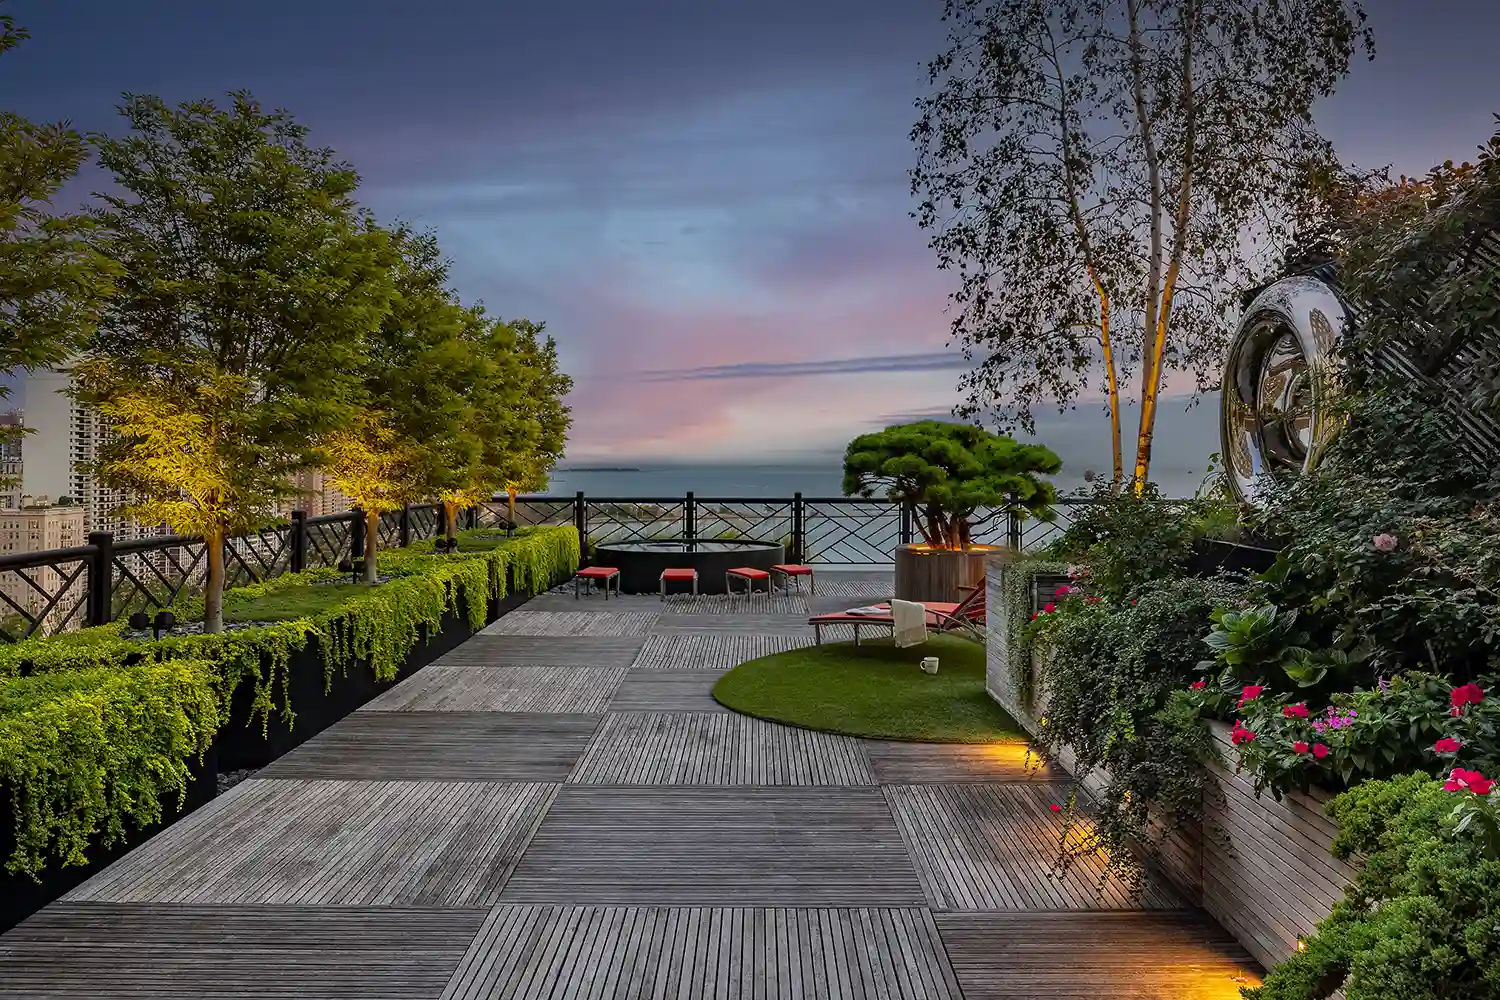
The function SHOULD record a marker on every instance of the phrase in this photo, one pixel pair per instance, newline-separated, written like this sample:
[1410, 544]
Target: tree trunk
[372, 542]
[213, 586]
[450, 518]
[1114, 386]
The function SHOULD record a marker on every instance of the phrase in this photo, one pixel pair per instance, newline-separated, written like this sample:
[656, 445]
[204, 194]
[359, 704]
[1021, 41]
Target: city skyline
[707, 207]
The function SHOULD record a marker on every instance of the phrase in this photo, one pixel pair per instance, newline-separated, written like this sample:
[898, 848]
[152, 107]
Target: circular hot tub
[640, 563]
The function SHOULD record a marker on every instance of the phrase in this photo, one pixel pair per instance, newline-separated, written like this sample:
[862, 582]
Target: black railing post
[690, 518]
[799, 544]
[297, 560]
[101, 577]
[472, 515]
[1013, 531]
[405, 525]
[906, 524]
[357, 535]
[581, 523]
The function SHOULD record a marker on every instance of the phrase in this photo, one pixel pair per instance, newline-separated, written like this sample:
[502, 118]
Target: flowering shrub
[1422, 920]
[1414, 722]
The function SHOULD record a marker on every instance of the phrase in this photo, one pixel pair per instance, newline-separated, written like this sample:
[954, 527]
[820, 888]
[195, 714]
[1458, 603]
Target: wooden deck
[558, 810]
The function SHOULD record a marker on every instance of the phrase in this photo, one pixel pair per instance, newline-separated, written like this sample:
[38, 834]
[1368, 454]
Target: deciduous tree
[53, 282]
[251, 287]
[1102, 174]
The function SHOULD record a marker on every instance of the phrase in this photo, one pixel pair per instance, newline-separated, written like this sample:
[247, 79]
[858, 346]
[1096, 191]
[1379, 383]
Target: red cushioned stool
[678, 576]
[749, 574]
[788, 570]
[598, 575]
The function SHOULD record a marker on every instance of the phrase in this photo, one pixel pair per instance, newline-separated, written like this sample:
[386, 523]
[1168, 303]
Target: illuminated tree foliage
[53, 284]
[251, 287]
[414, 433]
[1101, 173]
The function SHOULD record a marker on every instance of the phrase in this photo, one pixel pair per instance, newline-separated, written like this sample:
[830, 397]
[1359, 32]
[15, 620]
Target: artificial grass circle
[873, 690]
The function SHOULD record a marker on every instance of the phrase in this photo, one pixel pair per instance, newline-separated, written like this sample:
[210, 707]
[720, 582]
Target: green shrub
[89, 755]
[1422, 919]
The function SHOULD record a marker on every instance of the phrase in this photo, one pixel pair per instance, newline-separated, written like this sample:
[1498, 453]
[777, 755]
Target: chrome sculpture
[1274, 419]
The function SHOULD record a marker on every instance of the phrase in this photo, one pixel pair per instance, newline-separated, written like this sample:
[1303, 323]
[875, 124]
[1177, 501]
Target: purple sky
[706, 201]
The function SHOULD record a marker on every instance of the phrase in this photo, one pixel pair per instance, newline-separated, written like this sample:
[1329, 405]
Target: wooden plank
[793, 606]
[955, 763]
[573, 623]
[136, 951]
[712, 652]
[595, 602]
[704, 748]
[992, 847]
[334, 843]
[872, 587]
[760, 624]
[709, 846]
[545, 651]
[724, 953]
[1094, 956]
[442, 746]
[566, 690]
[667, 691]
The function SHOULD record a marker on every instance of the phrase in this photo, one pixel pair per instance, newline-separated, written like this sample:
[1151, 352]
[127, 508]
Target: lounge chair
[965, 617]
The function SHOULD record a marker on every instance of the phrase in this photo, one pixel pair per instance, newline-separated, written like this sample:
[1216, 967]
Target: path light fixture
[164, 622]
[446, 545]
[354, 567]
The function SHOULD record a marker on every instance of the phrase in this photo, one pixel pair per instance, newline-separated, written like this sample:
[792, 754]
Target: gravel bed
[196, 628]
[229, 780]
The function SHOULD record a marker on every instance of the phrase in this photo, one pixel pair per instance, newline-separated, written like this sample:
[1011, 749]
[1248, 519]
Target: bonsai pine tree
[948, 472]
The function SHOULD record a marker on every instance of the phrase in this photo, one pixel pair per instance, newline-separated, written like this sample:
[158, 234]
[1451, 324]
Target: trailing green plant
[1110, 670]
[1021, 577]
[1422, 919]
[88, 756]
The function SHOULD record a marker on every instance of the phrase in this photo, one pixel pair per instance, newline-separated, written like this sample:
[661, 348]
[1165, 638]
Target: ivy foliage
[87, 756]
[1422, 919]
[1110, 673]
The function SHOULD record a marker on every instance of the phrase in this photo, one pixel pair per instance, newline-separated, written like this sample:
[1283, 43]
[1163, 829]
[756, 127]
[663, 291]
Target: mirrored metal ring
[1273, 421]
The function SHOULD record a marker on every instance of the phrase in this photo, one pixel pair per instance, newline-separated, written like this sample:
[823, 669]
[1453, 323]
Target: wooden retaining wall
[1258, 866]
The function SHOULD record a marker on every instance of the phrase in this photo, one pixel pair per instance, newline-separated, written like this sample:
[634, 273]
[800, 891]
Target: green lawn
[874, 690]
[290, 604]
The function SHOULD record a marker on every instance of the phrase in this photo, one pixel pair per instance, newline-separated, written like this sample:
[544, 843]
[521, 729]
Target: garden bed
[1260, 867]
[328, 650]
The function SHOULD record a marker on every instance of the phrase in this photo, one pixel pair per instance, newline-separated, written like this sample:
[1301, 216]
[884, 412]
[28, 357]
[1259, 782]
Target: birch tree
[1106, 175]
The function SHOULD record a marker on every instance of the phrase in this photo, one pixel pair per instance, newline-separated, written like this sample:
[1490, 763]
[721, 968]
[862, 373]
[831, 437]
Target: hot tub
[640, 563]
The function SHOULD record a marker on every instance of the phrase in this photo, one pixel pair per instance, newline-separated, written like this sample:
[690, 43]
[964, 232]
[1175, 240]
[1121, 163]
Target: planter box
[924, 574]
[240, 745]
[1258, 866]
[1211, 556]
[21, 896]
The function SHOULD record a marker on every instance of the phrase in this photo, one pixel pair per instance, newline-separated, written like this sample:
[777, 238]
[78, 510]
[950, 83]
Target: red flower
[1132, 600]
[1447, 745]
[1320, 751]
[1455, 712]
[1460, 780]
[1047, 609]
[1199, 685]
[1294, 711]
[1300, 747]
[1092, 599]
[1240, 734]
[1055, 807]
[1063, 590]
[1467, 694]
[1250, 693]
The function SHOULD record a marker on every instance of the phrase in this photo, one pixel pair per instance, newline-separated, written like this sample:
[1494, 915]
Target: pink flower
[1300, 747]
[1384, 543]
[1047, 609]
[1319, 727]
[1055, 807]
[1467, 694]
[1076, 572]
[1249, 693]
[1320, 751]
[1462, 780]
[1447, 745]
[1294, 711]
[1199, 685]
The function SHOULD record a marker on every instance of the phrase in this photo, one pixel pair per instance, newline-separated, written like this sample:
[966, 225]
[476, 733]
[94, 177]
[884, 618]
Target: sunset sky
[706, 201]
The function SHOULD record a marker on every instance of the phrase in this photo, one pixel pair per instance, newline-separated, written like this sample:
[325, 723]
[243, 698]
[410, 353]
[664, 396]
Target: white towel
[910, 622]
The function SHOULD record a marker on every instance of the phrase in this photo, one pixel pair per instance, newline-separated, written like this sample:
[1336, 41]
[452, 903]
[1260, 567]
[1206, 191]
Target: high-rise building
[10, 460]
[66, 437]
[316, 494]
[37, 525]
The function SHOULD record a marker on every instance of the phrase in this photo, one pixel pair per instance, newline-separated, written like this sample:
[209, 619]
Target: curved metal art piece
[1273, 419]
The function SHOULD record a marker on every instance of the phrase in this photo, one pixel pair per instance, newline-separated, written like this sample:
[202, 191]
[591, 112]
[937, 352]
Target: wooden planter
[1260, 867]
[924, 574]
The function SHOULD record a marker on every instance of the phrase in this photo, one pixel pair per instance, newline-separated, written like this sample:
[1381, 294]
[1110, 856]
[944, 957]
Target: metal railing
[63, 589]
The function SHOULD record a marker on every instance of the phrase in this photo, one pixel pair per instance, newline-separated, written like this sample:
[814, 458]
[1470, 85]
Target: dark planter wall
[1212, 556]
[241, 746]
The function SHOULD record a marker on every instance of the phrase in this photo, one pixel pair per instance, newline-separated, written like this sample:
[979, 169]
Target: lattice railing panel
[425, 520]
[753, 520]
[851, 532]
[632, 521]
[257, 557]
[390, 529]
[529, 511]
[43, 600]
[148, 579]
[327, 543]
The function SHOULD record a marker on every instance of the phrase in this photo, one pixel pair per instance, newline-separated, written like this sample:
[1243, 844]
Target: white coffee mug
[929, 664]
